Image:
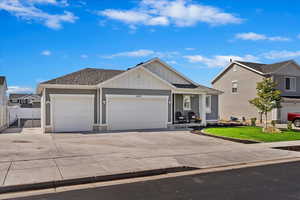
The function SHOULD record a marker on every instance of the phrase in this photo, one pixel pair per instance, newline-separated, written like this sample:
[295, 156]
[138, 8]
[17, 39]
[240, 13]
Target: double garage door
[72, 113]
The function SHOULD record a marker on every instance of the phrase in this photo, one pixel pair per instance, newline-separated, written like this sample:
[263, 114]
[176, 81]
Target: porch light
[104, 102]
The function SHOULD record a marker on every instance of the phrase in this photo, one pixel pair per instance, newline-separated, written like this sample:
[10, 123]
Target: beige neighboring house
[3, 103]
[238, 82]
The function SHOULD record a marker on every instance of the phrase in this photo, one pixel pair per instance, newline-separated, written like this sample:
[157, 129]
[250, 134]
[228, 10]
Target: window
[290, 83]
[186, 102]
[234, 88]
[208, 103]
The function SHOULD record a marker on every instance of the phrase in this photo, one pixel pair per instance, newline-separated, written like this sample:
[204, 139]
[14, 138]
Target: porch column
[202, 104]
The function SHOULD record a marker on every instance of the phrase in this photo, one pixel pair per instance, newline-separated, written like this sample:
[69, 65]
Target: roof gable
[137, 78]
[167, 73]
[259, 68]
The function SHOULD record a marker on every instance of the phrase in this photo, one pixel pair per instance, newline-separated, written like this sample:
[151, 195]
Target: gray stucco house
[238, 82]
[146, 96]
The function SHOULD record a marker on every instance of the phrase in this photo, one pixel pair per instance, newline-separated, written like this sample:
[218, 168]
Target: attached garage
[125, 112]
[286, 108]
[72, 112]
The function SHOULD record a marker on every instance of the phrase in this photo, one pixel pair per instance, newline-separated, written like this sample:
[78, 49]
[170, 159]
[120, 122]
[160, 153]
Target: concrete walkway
[28, 156]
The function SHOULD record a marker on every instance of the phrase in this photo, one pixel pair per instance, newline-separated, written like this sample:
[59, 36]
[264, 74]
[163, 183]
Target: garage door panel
[137, 113]
[73, 113]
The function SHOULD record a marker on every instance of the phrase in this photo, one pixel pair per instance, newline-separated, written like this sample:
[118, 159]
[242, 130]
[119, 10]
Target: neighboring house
[23, 107]
[25, 100]
[143, 97]
[3, 104]
[238, 82]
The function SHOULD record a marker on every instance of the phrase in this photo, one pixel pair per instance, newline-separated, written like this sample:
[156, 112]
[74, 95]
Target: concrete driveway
[28, 156]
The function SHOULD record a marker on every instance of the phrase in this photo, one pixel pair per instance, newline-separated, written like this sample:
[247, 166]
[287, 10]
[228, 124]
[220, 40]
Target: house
[24, 107]
[238, 82]
[25, 100]
[3, 103]
[145, 96]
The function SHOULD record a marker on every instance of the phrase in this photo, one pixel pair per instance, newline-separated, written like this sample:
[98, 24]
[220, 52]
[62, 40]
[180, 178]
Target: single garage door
[72, 113]
[288, 107]
[136, 112]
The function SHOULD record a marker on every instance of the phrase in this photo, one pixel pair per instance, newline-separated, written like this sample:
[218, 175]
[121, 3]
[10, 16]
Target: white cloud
[144, 53]
[180, 13]
[137, 53]
[46, 53]
[84, 56]
[218, 60]
[255, 36]
[28, 11]
[190, 49]
[281, 54]
[173, 62]
[19, 89]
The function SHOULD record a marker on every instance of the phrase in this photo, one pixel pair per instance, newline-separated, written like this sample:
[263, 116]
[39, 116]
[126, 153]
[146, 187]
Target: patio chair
[192, 116]
[180, 118]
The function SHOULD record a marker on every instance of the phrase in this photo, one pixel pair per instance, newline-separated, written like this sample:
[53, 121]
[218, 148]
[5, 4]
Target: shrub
[273, 122]
[253, 121]
[290, 125]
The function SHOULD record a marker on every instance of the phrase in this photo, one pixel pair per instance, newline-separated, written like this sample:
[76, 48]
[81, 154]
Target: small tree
[267, 98]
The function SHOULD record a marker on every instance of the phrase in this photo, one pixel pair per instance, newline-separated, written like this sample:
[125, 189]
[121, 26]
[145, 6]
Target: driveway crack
[7, 172]
[58, 168]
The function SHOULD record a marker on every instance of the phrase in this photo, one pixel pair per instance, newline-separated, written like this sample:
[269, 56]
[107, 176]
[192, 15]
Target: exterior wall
[165, 73]
[122, 91]
[3, 108]
[280, 80]
[214, 114]
[138, 79]
[66, 91]
[237, 105]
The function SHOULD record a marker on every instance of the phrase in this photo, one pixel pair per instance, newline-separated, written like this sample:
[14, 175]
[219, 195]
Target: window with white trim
[234, 88]
[186, 102]
[208, 103]
[290, 83]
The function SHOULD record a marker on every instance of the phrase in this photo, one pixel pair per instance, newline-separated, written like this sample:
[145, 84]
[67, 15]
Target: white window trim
[237, 84]
[290, 90]
[208, 109]
[190, 105]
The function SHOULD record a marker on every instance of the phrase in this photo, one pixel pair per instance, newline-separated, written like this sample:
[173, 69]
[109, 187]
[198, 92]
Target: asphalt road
[280, 181]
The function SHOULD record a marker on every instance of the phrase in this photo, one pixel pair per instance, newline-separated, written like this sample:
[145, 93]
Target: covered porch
[189, 109]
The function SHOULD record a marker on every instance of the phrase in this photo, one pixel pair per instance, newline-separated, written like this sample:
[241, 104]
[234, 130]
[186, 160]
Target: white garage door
[136, 112]
[288, 107]
[72, 112]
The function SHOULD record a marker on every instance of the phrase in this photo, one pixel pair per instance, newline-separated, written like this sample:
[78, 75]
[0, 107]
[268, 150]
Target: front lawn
[253, 133]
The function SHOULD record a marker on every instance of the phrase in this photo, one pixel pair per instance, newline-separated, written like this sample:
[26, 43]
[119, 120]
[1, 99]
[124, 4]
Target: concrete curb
[227, 138]
[139, 178]
[92, 179]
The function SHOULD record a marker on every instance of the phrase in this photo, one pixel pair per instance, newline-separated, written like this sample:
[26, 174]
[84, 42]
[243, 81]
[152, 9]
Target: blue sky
[44, 39]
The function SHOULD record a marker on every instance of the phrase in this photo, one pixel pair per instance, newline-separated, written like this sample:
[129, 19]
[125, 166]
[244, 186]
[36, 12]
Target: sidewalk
[31, 158]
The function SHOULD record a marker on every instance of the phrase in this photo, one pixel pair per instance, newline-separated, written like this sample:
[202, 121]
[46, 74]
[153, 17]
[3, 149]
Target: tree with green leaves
[268, 97]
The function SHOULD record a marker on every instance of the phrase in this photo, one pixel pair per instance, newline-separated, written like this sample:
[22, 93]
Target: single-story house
[149, 95]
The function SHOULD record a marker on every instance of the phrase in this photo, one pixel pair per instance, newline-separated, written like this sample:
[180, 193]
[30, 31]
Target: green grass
[253, 133]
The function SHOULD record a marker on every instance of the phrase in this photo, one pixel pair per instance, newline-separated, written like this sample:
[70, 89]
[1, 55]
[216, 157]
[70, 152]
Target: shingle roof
[93, 76]
[2, 79]
[265, 68]
[87, 76]
[184, 85]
